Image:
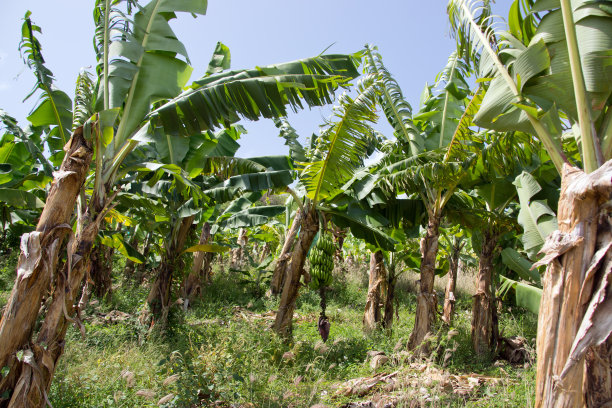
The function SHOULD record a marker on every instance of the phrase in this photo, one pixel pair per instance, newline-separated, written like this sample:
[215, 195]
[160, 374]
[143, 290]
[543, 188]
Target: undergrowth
[223, 353]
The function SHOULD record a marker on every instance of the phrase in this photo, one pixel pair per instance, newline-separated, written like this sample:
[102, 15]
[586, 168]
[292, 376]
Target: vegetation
[167, 271]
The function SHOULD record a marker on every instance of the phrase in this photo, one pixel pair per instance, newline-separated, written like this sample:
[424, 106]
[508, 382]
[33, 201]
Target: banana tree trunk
[101, 270]
[159, 296]
[376, 289]
[574, 323]
[278, 278]
[238, 254]
[193, 284]
[339, 236]
[40, 360]
[265, 252]
[37, 267]
[484, 328]
[449, 292]
[284, 316]
[427, 302]
[141, 269]
[390, 298]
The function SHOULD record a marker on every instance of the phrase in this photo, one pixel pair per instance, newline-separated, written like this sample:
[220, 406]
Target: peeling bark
[427, 302]
[40, 360]
[483, 322]
[284, 315]
[37, 267]
[575, 289]
[372, 317]
[278, 278]
[598, 384]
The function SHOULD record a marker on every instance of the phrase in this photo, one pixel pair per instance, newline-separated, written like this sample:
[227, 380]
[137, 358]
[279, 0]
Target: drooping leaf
[526, 296]
[20, 198]
[252, 217]
[535, 216]
[364, 225]
[291, 137]
[220, 99]
[515, 261]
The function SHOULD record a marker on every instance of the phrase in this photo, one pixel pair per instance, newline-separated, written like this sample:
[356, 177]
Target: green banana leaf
[116, 241]
[515, 261]
[214, 248]
[20, 198]
[526, 296]
[535, 216]
[252, 217]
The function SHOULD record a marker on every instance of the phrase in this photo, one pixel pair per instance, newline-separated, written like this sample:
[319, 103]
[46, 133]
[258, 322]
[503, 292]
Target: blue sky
[412, 36]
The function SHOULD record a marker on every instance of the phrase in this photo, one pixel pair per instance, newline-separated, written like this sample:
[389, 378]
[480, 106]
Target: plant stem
[105, 56]
[592, 157]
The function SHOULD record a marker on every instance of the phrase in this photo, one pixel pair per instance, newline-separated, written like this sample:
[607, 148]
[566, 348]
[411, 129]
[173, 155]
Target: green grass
[8, 264]
[216, 353]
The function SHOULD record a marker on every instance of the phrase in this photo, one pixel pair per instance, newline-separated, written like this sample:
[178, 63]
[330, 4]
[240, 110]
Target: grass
[223, 353]
[8, 265]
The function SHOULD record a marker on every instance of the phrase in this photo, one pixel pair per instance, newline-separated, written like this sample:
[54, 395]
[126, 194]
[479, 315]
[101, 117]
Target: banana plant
[142, 71]
[501, 158]
[434, 174]
[334, 156]
[552, 74]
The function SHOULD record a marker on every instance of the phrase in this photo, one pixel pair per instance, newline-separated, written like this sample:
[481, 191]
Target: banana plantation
[462, 256]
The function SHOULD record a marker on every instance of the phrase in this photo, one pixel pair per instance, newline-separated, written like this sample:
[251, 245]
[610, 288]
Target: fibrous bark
[574, 323]
[278, 278]
[427, 302]
[37, 267]
[484, 328]
[372, 317]
[159, 296]
[40, 360]
[295, 269]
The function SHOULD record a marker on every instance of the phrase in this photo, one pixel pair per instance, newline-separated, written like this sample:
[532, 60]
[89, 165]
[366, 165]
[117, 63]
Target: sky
[412, 36]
